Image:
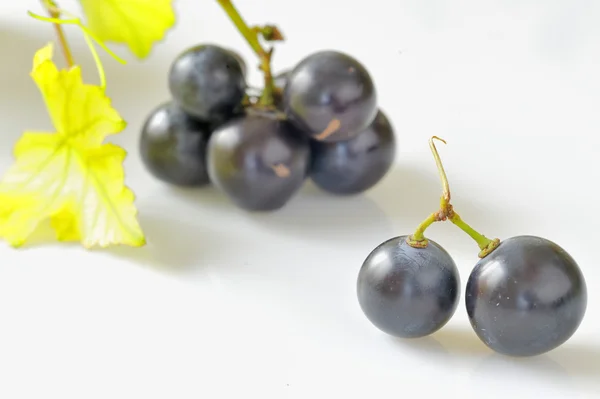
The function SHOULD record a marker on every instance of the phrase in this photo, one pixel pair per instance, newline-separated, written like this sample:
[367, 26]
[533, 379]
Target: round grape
[526, 297]
[208, 82]
[355, 165]
[408, 292]
[173, 146]
[259, 162]
[330, 96]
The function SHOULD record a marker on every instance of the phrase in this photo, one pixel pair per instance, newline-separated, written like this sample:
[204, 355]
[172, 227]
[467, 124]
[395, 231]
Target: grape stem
[54, 12]
[446, 212]
[252, 37]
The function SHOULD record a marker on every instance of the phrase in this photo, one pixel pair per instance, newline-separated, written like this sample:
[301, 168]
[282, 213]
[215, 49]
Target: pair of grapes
[524, 297]
[324, 123]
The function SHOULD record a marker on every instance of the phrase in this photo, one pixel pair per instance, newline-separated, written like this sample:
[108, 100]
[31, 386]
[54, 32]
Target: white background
[223, 304]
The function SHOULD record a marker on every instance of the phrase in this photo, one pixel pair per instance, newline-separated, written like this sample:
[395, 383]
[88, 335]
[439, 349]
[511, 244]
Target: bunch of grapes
[319, 120]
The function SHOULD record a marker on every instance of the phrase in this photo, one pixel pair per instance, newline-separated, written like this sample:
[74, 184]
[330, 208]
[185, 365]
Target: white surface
[224, 304]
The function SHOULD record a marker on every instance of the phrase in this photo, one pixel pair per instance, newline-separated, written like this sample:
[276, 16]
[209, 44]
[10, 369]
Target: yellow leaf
[137, 23]
[69, 176]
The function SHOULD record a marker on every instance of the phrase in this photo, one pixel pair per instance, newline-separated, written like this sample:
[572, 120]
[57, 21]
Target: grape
[526, 297]
[259, 162]
[408, 292]
[330, 96]
[208, 82]
[357, 164]
[173, 146]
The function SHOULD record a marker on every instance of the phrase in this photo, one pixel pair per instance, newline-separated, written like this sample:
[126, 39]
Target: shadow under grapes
[318, 216]
[533, 376]
[424, 345]
[579, 360]
[311, 214]
[174, 245]
[448, 341]
[462, 341]
[207, 197]
[411, 194]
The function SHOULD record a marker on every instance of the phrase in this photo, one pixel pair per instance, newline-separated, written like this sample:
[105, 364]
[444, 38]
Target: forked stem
[54, 12]
[251, 35]
[446, 212]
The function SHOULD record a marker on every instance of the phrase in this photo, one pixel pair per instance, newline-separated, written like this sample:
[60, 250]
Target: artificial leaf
[137, 23]
[70, 176]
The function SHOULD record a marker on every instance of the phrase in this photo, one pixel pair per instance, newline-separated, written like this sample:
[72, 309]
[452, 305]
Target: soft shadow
[311, 214]
[427, 345]
[448, 341]
[319, 216]
[535, 375]
[562, 366]
[579, 360]
[541, 363]
[209, 197]
[174, 245]
[410, 194]
[461, 341]
[407, 192]
[404, 197]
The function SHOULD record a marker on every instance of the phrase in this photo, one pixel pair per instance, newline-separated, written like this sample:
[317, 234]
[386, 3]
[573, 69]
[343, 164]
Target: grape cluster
[324, 124]
[524, 297]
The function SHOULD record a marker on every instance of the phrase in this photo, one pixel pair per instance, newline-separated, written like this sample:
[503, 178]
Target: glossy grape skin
[355, 165]
[258, 162]
[173, 146]
[208, 82]
[527, 297]
[328, 86]
[408, 292]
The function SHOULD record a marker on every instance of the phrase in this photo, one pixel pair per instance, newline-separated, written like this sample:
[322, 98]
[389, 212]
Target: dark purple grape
[259, 162]
[355, 165]
[408, 292]
[208, 82]
[330, 96]
[526, 297]
[173, 146]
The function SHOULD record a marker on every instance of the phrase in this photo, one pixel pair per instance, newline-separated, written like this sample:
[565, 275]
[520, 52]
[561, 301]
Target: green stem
[485, 244]
[52, 9]
[481, 240]
[251, 36]
[446, 211]
[440, 167]
[417, 239]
